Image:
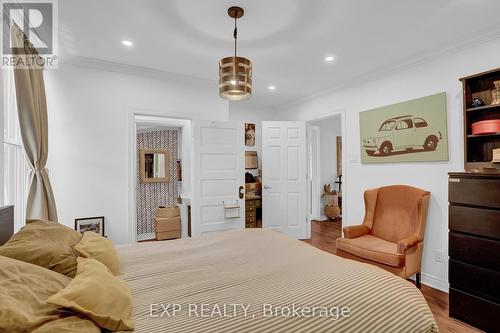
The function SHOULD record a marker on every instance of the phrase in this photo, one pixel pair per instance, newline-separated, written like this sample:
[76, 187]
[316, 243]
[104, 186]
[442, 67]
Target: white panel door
[219, 174]
[284, 172]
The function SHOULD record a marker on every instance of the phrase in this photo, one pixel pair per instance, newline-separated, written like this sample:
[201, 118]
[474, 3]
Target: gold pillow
[93, 245]
[97, 294]
[45, 243]
[24, 290]
[72, 324]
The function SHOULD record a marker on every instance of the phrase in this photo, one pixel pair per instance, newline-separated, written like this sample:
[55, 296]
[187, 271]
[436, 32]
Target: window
[419, 123]
[404, 124]
[387, 125]
[15, 167]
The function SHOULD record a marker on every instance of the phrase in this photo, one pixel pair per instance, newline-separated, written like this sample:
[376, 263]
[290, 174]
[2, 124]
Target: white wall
[90, 116]
[329, 129]
[421, 80]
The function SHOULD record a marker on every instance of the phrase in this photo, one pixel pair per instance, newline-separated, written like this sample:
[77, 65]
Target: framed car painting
[411, 131]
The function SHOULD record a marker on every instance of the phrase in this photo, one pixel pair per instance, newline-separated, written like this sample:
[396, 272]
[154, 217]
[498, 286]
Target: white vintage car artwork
[406, 133]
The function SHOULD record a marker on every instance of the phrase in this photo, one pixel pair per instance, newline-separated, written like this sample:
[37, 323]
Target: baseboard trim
[435, 282]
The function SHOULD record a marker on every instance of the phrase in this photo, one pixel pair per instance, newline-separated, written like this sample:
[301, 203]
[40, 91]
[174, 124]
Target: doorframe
[343, 120]
[166, 119]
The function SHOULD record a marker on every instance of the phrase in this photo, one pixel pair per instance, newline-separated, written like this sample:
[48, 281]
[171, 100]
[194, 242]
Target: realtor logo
[38, 20]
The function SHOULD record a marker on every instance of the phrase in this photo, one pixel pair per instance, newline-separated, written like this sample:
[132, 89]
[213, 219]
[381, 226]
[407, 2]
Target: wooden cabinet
[474, 248]
[252, 210]
[168, 223]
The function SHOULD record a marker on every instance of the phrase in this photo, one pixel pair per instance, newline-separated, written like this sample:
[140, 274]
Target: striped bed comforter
[257, 280]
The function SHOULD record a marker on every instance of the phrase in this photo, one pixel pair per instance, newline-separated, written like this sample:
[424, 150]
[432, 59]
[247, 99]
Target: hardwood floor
[323, 236]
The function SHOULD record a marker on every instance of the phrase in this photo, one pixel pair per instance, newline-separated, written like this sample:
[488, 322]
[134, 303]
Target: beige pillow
[72, 324]
[97, 294]
[45, 243]
[93, 245]
[24, 290]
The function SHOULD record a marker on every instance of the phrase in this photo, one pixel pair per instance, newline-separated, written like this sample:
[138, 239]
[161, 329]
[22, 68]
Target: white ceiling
[287, 40]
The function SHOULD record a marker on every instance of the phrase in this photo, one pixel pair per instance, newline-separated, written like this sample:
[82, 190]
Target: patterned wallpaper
[152, 195]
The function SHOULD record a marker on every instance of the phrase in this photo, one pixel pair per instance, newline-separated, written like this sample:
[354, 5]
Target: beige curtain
[32, 111]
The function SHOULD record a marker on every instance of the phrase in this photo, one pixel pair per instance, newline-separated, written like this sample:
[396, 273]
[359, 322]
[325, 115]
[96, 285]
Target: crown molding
[110, 66]
[427, 58]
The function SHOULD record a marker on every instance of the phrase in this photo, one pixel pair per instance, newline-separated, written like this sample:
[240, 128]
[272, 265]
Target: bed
[256, 280]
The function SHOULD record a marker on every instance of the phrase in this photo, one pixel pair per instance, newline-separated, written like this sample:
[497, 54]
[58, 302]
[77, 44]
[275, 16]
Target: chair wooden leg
[417, 280]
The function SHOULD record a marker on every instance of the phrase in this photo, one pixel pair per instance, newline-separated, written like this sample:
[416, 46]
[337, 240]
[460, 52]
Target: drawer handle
[454, 180]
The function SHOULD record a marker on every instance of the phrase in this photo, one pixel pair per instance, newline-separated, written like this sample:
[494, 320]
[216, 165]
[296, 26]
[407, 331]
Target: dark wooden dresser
[474, 249]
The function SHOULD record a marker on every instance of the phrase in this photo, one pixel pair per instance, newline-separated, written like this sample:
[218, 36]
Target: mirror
[154, 165]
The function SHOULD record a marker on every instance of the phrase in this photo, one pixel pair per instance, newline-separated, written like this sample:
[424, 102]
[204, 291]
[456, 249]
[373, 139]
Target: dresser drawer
[251, 219]
[252, 203]
[251, 225]
[251, 214]
[475, 250]
[476, 221]
[475, 192]
[465, 277]
[250, 208]
[474, 310]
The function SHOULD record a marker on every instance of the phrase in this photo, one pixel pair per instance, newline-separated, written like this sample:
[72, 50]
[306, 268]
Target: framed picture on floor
[95, 224]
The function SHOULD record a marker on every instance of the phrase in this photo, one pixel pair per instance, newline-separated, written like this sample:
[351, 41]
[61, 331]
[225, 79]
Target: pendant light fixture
[235, 73]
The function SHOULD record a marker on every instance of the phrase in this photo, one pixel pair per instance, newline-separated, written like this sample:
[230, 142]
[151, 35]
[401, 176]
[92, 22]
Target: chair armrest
[407, 243]
[355, 231]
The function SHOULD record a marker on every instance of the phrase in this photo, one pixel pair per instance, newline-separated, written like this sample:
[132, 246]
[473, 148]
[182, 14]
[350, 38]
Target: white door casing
[219, 172]
[314, 171]
[284, 171]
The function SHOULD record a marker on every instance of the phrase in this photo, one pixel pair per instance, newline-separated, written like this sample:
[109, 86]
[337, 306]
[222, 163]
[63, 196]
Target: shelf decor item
[495, 93]
[477, 102]
[491, 126]
[496, 155]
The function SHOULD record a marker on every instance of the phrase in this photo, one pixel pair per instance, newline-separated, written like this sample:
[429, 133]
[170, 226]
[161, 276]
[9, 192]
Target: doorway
[173, 137]
[326, 187]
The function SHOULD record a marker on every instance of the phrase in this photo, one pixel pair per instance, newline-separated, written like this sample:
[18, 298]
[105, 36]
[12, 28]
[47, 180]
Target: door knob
[267, 187]
[242, 195]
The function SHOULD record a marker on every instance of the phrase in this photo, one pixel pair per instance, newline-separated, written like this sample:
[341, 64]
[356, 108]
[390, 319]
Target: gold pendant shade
[235, 73]
[235, 78]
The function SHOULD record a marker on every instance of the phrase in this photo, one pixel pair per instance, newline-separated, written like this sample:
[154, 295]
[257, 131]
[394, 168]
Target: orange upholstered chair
[392, 233]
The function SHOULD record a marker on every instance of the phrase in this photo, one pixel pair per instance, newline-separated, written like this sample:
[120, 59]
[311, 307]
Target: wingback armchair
[392, 233]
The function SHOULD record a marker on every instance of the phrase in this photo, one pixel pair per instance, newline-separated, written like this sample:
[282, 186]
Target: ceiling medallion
[235, 73]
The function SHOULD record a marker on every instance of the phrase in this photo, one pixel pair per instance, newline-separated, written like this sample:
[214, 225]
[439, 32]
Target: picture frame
[410, 131]
[249, 134]
[95, 224]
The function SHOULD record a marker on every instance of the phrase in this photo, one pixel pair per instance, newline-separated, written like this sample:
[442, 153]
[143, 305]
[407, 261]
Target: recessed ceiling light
[127, 43]
[271, 87]
[329, 58]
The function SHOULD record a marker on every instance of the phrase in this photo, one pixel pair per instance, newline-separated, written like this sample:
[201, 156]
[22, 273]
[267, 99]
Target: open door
[219, 177]
[284, 173]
